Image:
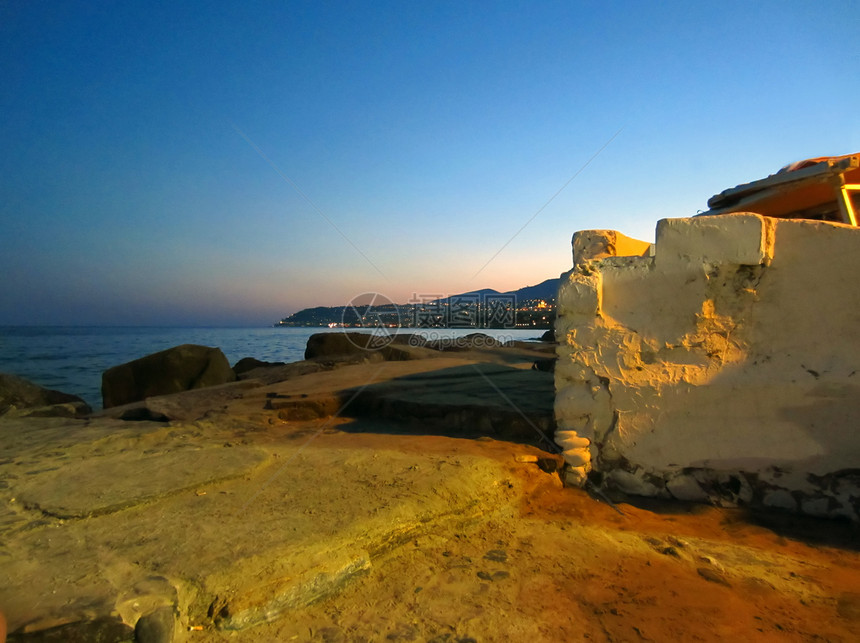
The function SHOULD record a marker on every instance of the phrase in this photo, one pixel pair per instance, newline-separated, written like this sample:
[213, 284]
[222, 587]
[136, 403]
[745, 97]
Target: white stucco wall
[721, 364]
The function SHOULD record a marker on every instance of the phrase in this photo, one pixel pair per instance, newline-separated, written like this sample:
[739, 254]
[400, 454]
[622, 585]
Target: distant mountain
[483, 292]
[529, 297]
[545, 290]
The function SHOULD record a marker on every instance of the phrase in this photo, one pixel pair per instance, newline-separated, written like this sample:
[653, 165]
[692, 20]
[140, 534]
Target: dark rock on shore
[174, 370]
[103, 629]
[16, 393]
[250, 363]
[398, 348]
[466, 343]
[155, 627]
[496, 400]
[547, 365]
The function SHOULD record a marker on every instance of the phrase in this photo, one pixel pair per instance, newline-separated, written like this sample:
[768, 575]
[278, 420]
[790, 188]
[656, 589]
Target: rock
[712, 576]
[550, 464]
[499, 575]
[155, 627]
[684, 487]
[174, 370]
[326, 345]
[331, 635]
[105, 629]
[816, 507]
[17, 393]
[108, 484]
[571, 440]
[577, 457]
[592, 245]
[780, 499]
[463, 401]
[410, 339]
[465, 343]
[534, 346]
[547, 365]
[632, 483]
[250, 363]
[338, 344]
[575, 476]
[142, 414]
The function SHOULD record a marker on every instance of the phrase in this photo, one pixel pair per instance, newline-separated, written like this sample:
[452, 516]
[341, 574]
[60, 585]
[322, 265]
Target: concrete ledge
[742, 239]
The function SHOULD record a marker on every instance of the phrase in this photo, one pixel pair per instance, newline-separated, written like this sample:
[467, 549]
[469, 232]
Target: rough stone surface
[728, 355]
[591, 245]
[686, 488]
[252, 529]
[174, 370]
[103, 629]
[24, 397]
[133, 479]
[156, 627]
[465, 401]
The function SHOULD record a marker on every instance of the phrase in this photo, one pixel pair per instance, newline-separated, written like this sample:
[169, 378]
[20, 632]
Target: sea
[72, 359]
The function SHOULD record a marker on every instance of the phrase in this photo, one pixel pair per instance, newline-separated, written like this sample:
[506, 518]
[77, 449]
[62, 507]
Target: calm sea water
[72, 358]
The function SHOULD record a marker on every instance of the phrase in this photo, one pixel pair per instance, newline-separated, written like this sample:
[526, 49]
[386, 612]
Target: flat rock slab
[481, 385]
[229, 537]
[107, 484]
[340, 529]
[454, 396]
[474, 400]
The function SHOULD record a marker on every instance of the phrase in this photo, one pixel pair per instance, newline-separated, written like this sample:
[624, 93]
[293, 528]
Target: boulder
[465, 343]
[156, 627]
[174, 370]
[331, 345]
[17, 394]
[101, 629]
[547, 365]
[250, 363]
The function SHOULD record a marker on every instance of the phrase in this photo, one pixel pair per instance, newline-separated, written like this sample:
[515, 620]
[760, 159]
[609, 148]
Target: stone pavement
[234, 511]
[378, 501]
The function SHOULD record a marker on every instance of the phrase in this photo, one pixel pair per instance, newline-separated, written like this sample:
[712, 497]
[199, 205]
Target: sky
[226, 164]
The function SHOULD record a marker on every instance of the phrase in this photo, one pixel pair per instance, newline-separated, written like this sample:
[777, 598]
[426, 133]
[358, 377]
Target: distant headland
[528, 307]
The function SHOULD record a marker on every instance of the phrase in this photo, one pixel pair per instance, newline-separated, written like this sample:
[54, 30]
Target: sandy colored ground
[255, 528]
[566, 567]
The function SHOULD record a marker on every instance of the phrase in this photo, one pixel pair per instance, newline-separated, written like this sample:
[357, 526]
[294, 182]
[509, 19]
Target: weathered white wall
[721, 364]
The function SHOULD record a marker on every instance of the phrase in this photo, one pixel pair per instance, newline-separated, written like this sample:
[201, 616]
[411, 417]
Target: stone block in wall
[742, 239]
[579, 294]
[592, 245]
[574, 401]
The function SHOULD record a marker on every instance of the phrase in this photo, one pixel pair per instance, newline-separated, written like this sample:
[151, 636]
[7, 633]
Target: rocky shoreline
[410, 493]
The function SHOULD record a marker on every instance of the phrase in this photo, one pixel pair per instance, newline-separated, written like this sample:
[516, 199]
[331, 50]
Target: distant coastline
[531, 307]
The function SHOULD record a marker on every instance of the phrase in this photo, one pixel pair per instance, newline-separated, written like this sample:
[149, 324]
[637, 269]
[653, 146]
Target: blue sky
[421, 135]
